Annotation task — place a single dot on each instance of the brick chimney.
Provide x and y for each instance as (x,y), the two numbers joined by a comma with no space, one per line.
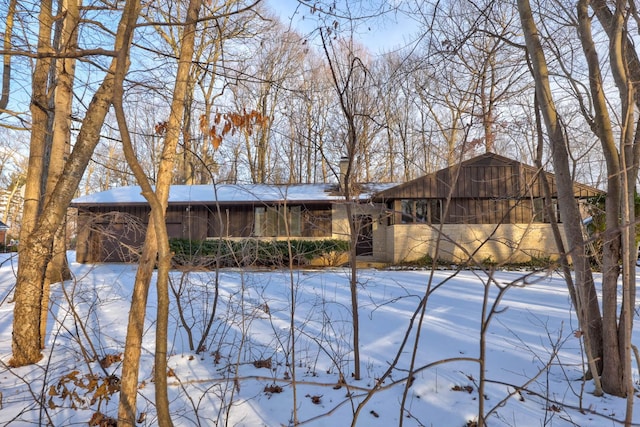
(343,165)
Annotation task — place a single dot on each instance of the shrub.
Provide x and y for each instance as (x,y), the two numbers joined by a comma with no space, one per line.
(251,252)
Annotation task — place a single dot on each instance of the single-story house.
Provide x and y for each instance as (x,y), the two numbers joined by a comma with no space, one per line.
(489,208)
(112,223)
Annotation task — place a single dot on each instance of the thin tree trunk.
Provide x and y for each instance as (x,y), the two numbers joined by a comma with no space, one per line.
(9,207)
(156,242)
(6,60)
(135,328)
(61,140)
(620,68)
(625,66)
(188,157)
(353,288)
(588,309)
(611,366)
(347,108)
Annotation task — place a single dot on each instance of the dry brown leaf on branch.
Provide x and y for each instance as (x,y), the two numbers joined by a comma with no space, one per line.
(161,128)
(315,399)
(232,122)
(110,359)
(226,128)
(262,363)
(216,140)
(204,123)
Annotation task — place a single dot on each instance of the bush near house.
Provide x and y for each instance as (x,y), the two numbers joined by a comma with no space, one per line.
(253,252)
(596,225)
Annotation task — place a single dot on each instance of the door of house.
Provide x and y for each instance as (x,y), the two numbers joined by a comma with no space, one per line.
(364,243)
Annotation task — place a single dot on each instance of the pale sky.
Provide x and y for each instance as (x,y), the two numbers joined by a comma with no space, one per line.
(382,34)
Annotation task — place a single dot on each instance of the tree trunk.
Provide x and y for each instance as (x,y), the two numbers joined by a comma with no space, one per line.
(6,60)
(58,267)
(625,70)
(353,288)
(587,308)
(36,246)
(156,244)
(611,368)
(61,141)
(344,90)
(135,329)
(26,335)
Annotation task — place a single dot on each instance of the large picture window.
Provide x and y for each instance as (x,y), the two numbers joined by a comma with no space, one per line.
(427,211)
(274,221)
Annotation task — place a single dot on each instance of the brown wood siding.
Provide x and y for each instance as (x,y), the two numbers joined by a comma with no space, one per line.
(316,222)
(489,189)
(111,236)
(489,211)
(481,182)
(230,221)
(487,176)
(198,221)
(118,242)
(187,222)
(116,233)
(482,211)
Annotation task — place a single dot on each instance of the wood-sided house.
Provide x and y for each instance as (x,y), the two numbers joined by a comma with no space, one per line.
(112,223)
(489,208)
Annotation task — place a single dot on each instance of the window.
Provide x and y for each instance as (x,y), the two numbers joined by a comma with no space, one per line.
(316,222)
(295,221)
(435,211)
(273,221)
(408,207)
(259,222)
(421,211)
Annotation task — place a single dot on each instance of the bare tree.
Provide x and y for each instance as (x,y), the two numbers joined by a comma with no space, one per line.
(6,60)
(36,245)
(398,104)
(622,167)
(157,241)
(267,76)
(156,247)
(64,75)
(608,335)
(586,300)
(349,75)
(307,122)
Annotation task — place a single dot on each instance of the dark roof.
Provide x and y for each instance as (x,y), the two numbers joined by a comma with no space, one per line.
(3,226)
(487,176)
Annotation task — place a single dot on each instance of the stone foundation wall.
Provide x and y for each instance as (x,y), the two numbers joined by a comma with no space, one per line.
(459,243)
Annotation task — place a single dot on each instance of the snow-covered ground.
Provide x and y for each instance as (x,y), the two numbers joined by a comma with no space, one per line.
(243,376)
